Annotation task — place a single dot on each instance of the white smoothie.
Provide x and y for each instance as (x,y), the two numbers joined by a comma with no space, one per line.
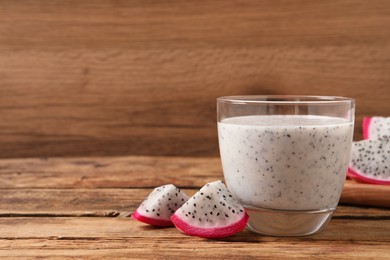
(285,162)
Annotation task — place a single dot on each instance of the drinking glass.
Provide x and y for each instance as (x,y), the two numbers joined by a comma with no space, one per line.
(285,158)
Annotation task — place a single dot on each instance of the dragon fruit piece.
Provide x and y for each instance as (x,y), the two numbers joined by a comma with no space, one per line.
(376,127)
(160,205)
(212,212)
(370,161)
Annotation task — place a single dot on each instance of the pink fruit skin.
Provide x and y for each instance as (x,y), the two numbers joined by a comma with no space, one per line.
(151,221)
(217,232)
(366,127)
(353,174)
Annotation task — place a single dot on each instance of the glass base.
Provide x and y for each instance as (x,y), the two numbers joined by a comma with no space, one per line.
(287,222)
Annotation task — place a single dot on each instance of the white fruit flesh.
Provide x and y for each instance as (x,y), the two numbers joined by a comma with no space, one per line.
(211,213)
(160,205)
(370,161)
(376,128)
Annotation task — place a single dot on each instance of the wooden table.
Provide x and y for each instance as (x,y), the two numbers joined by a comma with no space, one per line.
(80,207)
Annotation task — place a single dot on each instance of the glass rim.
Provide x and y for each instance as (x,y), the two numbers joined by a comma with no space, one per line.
(284,99)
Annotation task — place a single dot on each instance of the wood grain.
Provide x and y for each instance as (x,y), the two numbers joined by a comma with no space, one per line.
(166,248)
(108,172)
(366,194)
(46,213)
(36,237)
(94,78)
(128,228)
(113,203)
(141,172)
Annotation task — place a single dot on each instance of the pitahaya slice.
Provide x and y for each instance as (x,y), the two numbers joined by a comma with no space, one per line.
(160,205)
(376,127)
(212,212)
(370,161)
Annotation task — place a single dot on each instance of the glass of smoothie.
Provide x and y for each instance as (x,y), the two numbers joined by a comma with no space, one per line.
(285,158)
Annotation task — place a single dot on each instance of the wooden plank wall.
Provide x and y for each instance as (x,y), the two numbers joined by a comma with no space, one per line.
(141,77)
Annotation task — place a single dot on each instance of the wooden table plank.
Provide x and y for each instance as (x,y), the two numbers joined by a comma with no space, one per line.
(99,227)
(141,172)
(108,172)
(79,207)
(111,203)
(121,238)
(167,248)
